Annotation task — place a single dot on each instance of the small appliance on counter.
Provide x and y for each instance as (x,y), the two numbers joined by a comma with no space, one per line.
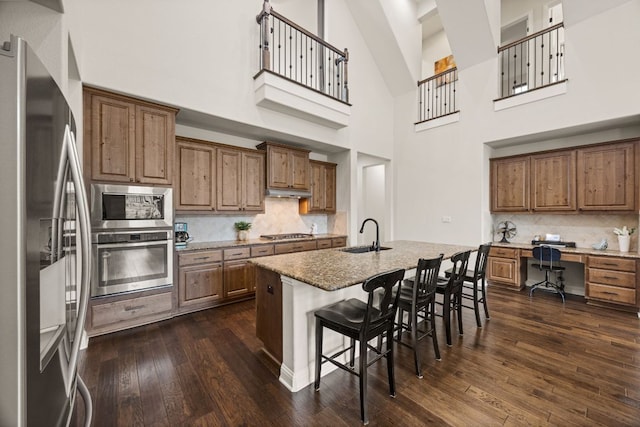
(181,236)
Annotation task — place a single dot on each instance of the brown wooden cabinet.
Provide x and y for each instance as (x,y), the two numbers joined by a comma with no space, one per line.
(510,184)
(553,181)
(130,140)
(239,273)
(606,177)
(612,280)
(287,167)
(195,187)
(199,279)
(323,189)
(269,311)
(505,268)
(240,180)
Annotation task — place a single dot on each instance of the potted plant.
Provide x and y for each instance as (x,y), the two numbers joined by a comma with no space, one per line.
(624,237)
(242,227)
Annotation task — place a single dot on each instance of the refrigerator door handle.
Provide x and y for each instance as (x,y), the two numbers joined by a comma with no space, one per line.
(84,227)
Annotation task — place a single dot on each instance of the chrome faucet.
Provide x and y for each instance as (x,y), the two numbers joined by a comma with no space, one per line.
(375,245)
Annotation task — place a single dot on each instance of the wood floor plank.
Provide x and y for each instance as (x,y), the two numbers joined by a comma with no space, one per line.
(535,362)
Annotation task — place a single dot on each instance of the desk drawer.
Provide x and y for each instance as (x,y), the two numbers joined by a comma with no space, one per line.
(199,257)
(614,278)
(503,252)
(612,293)
(610,263)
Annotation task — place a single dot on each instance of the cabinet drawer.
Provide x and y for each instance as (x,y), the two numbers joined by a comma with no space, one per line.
(610,277)
(237,253)
(338,242)
(199,257)
(129,310)
(324,243)
(262,250)
(612,293)
(503,252)
(286,248)
(609,263)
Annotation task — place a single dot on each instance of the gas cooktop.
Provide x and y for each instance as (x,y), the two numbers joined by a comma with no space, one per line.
(286,236)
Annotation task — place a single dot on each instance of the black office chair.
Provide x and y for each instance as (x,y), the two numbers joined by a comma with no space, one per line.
(418,298)
(549,262)
(474,287)
(451,289)
(363,322)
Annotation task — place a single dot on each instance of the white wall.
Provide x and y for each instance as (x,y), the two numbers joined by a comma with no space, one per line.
(434,48)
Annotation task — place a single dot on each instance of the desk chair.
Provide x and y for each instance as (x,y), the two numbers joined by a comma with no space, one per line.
(362,322)
(418,298)
(549,261)
(451,289)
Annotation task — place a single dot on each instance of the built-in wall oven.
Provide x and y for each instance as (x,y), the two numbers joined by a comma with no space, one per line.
(131,260)
(132,239)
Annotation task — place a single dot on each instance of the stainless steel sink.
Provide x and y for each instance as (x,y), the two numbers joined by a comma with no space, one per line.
(362,249)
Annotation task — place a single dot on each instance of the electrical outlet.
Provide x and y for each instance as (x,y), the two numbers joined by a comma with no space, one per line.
(446,219)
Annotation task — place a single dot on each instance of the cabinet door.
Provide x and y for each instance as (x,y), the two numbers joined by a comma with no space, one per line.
(112,139)
(155,139)
(200,284)
(279,172)
(269,311)
(330,188)
(229,184)
(553,181)
(300,170)
(503,270)
(510,185)
(239,278)
(317,202)
(195,189)
(253,181)
(606,178)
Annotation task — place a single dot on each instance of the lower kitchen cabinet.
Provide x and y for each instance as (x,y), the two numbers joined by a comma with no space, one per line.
(200,282)
(504,267)
(239,278)
(114,313)
(269,311)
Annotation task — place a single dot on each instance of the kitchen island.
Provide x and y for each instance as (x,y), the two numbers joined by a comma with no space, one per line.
(289,288)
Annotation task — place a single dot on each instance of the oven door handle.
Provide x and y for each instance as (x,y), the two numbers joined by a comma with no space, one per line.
(132,244)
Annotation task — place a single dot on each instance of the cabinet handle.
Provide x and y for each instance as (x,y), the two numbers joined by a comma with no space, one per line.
(133,307)
(237,253)
(130,179)
(609,293)
(609,277)
(609,263)
(201,258)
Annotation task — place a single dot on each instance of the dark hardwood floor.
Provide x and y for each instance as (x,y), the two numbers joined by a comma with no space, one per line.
(536,362)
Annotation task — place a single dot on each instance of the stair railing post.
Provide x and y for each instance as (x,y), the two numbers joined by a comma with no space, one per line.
(263,20)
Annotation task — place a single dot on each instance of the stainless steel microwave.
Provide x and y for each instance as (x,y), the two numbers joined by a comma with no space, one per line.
(127,206)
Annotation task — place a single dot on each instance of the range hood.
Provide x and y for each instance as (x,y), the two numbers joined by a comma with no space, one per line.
(290,193)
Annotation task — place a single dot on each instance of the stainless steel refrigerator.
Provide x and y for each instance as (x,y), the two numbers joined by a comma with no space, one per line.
(45,257)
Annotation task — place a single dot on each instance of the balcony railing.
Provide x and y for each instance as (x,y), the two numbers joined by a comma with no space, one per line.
(533,62)
(296,54)
(437,96)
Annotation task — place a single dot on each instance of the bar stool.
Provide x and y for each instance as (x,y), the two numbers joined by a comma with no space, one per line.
(362,322)
(418,298)
(470,289)
(451,289)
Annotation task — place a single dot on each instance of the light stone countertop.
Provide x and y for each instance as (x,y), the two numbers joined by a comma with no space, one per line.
(333,269)
(197,246)
(581,251)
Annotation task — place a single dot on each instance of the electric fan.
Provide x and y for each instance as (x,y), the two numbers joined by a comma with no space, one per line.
(507,229)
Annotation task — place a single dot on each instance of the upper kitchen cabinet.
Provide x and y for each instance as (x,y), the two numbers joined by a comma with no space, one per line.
(130,140)
(553,181)
(510,184)
(287,167)
(195,186)
(606,177)
(240,180)
(323,189)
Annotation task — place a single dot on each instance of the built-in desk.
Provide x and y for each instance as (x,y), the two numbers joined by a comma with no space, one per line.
(611,277)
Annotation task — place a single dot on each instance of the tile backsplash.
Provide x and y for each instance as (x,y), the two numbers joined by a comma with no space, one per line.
(281,216)
(584,229)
